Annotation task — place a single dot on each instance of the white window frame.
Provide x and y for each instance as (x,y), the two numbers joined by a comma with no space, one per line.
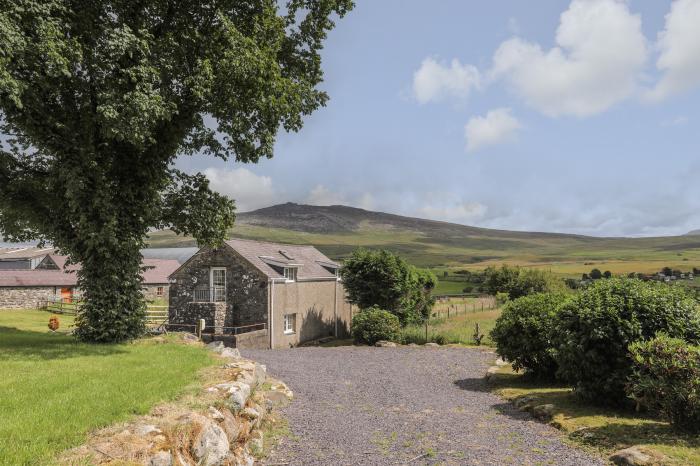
(212,297)
(290,274)
(290,323)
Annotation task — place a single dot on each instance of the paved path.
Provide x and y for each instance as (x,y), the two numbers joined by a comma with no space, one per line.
(377,406)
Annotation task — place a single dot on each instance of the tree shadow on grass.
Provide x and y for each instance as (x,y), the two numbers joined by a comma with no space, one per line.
(25,345)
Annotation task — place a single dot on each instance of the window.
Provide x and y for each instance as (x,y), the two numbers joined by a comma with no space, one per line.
(217,285)
(290,273)
(160,291)
(290,323)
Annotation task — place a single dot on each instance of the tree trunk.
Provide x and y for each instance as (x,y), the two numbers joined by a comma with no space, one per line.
(114,308)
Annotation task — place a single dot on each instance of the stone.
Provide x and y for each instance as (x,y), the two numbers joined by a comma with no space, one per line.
(431,345)
(256,441)
(412,345)
(543,412)
(146,429)
(631,456)
(385,344)
(232,353)
(490,372)
(524,401)
(500,362)
(240,392)
(216,346)
(215,414)
(231,426)
(211,447)
(251,413)
(162,458)
(189,337)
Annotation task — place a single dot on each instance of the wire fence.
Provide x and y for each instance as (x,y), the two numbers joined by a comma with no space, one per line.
(447,307)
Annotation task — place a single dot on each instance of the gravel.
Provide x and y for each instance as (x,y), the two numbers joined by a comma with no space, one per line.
(376,406)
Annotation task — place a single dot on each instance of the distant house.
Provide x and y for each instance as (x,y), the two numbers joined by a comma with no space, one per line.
(27,258)
(52,280)
(269,295)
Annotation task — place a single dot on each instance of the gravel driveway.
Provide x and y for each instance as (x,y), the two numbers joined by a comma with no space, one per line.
(376,406)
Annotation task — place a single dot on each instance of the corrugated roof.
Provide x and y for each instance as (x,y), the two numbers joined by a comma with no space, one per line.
(157,273)
(307,259)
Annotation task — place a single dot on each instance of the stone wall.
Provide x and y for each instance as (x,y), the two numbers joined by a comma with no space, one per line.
(214,315)
(246,287)
(257,339)
(150,292)
(25,297)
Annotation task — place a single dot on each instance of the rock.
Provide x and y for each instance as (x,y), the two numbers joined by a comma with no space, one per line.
(631,456)
(215,414)
(385,344)
(431,345)
(189,337)
(524,401)
(543,412)
(412,344)
(162,458)
(251,413)
(146,429)
(500,362)
(490,372)
(216,346)
(232,353)
(231,426)
(211,446)
(240,392)
(256,442)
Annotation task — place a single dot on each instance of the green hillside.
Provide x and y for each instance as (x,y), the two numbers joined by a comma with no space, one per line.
(337,230)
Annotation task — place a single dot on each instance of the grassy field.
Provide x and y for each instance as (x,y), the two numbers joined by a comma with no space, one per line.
(53,390)
(457,329)
(602,429)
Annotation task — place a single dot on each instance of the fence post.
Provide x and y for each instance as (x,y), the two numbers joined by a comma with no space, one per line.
(426,330)
(482,306)
(200,327)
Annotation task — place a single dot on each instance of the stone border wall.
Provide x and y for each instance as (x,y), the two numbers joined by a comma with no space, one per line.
(257,339)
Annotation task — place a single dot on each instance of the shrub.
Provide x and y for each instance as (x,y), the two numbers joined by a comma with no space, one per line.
(524,331)
(374,324)
(596,327)
(517,282)
(666,379)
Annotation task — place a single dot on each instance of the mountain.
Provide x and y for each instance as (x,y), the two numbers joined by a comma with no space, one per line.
(338,230)
(693,233)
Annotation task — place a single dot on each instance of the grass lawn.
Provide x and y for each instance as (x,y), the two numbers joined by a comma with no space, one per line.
(602,429)
(458,329)
(54,390)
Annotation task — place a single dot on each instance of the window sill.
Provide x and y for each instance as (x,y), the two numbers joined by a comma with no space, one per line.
(289,332)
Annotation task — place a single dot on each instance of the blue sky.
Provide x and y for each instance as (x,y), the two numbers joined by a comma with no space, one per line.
(576,117)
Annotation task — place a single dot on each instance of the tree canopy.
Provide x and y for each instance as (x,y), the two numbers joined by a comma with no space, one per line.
(97,99)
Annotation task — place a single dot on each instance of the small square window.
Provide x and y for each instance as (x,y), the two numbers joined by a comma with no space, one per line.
(290,323)
(160,291)
(290,273)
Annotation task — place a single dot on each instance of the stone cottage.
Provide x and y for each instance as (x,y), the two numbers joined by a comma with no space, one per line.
(269,295)
(52,280)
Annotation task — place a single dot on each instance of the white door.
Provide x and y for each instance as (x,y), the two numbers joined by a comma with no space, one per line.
(218,284)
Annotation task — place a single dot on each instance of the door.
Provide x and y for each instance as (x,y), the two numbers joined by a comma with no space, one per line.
(218,284)
(67,295)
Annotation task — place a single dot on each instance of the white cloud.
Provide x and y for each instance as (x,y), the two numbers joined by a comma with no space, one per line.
(679,45)
(677,121)
(435,81)
(323,196)
(248,189)
(463,212)
(597,62)
(496,127)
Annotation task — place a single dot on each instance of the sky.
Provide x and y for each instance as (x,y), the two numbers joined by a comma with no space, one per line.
(579,117)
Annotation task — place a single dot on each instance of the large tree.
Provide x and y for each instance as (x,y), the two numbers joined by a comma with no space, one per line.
(98,98)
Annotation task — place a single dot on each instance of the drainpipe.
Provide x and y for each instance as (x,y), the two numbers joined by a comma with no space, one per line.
(335,306)
(270,327)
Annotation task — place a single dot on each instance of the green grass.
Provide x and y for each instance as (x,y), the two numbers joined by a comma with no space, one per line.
(602,429)
(54,390)
(454,330)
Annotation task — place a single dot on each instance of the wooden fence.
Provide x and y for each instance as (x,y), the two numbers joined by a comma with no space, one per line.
(155,315)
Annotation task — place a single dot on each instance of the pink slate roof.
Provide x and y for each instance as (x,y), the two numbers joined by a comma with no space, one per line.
(156,274)
(307,259)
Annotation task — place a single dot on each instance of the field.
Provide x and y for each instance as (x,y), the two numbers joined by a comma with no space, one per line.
(55,390)
(602,429)
(338,230)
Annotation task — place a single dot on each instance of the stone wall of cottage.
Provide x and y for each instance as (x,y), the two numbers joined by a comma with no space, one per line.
(150,292)
(246,288)
(25,297)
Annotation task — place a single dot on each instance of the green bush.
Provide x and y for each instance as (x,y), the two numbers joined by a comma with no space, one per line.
(666,379)
(374,324)
(524,331)
(596,327)
(517,282)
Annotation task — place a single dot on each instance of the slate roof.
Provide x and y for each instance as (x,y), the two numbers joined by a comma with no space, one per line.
(24,253)
(157,273)
(271,258)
